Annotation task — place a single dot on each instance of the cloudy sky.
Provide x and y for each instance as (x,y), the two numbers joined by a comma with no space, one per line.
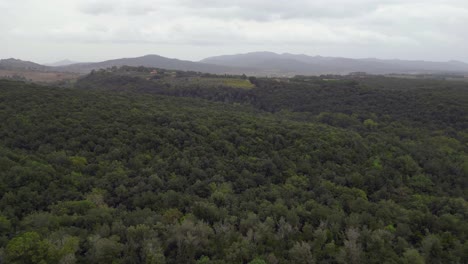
(93,30)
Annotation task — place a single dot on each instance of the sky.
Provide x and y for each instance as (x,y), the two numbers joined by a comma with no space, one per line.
(46,31)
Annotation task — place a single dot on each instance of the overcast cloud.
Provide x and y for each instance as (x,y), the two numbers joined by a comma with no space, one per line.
(85,30)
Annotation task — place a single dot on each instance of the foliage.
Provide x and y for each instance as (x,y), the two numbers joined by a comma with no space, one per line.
(291,171)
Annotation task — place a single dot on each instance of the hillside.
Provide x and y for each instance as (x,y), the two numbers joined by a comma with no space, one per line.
(435,104)
(138,165)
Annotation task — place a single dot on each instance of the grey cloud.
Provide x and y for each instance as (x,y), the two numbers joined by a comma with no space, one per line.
(97,8)
(267,10)
(140,10)
(379,28)
(118,7)
(283,9)
(260,10)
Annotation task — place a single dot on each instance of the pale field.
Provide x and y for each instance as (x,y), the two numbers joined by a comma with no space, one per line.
(36,76)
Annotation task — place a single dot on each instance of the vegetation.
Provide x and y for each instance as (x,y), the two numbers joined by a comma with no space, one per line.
(171,167)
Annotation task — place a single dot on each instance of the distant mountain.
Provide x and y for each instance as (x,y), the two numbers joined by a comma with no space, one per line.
(62,63)
(15,64)
(255,63)
(291,64)
(155,61)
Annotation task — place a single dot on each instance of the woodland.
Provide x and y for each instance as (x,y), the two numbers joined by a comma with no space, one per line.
(140,165)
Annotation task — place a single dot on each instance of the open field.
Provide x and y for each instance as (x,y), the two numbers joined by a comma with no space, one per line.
(37,76)
(228,82)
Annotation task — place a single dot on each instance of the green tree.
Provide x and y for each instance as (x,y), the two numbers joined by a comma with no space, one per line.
(301,253)
(258,261)
(412,256)
(28,248)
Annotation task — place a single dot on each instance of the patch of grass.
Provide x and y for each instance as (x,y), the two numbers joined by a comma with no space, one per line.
(238,83)
(215,82)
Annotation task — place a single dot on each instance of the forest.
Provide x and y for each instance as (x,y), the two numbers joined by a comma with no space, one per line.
(140,165)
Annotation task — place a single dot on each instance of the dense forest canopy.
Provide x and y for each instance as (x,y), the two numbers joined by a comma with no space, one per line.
(138,165)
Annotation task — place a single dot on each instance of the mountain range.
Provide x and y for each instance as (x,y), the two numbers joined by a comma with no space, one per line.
(256,63)
(155,61)
(292,64)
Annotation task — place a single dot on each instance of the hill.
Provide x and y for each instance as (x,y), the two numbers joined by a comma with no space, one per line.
(384,96)
(15,64)
(29,71)
(292,64)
